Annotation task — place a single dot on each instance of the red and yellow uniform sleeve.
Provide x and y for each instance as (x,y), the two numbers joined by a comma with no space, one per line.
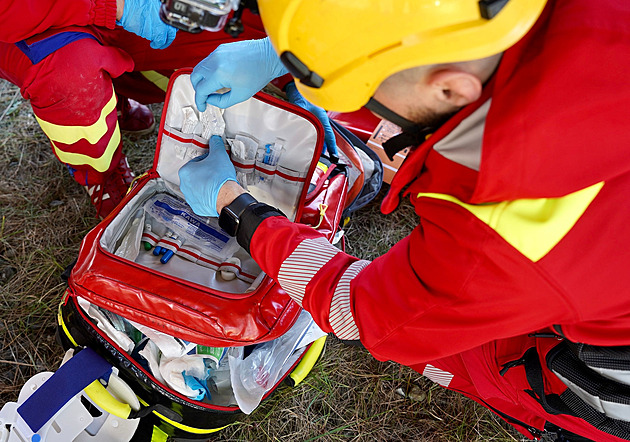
(304,262)
(451,285)
(22,19)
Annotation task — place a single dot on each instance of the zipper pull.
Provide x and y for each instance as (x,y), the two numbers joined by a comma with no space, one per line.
(545,335)
(511,364)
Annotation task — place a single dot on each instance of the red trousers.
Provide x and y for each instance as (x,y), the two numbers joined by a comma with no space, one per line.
(73,89)
(477,374)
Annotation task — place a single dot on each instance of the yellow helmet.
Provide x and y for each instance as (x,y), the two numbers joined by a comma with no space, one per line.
(341,50)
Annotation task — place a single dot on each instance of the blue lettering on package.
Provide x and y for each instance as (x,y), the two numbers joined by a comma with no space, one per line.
(192,220)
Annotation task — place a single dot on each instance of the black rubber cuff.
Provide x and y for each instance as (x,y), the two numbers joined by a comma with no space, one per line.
(251,219)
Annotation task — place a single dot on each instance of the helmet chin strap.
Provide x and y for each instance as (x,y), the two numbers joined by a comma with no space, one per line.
(411,136)
(385,112)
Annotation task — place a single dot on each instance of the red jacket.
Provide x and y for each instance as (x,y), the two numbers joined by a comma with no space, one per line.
(22,19)
(557,124)
(536,237)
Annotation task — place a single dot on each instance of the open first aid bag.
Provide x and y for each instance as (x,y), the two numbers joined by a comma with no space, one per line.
(172,301)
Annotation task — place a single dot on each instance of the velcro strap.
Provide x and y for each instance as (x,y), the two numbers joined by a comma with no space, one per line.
(251,219)
(77,373)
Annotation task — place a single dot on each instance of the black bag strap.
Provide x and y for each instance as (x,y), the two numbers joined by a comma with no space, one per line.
(372,185)
(567,403)
(607,358)
(551,403)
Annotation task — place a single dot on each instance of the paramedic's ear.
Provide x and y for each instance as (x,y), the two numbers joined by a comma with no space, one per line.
(454,87)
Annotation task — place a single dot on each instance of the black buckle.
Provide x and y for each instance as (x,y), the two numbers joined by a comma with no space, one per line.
(490,8)
(300,71)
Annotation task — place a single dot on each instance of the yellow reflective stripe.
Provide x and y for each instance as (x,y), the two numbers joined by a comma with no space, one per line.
(322,166)
(100,164)
(157,79)
(531,226)
(92,133)
(191,430)
(61,322)
(187,428)
(158,435)
(71,134)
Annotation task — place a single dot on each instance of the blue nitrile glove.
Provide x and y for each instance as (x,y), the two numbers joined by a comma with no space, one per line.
(296,98)
(201,178)
(142,17)
(196,386)
(243,66)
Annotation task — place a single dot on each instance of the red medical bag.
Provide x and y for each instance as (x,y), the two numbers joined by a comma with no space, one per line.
(199,296)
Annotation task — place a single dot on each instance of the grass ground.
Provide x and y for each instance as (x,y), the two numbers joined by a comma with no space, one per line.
(349,396)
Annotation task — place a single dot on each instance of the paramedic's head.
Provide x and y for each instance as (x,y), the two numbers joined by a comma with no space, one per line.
(419,59)
(426,95)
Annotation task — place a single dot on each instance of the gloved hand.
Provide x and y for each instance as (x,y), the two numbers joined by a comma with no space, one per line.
(201,178)
(244,66)
(142,17)
(296,98)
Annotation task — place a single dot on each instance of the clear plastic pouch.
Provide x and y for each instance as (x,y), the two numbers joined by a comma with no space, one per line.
(256,374)
(186,227)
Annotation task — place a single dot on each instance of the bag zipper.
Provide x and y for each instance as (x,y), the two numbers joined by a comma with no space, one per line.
(511,364)
(521,361)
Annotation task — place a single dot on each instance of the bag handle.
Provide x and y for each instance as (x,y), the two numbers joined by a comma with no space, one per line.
(320,182)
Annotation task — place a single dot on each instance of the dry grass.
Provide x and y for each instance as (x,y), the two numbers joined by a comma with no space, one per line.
(349,396)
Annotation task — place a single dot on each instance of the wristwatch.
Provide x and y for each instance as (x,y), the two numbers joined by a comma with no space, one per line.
(230,216)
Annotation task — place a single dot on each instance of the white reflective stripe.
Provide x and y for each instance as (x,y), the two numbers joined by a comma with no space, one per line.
(301,266)
(622,376)
(615,410)
(438,376)
(340,317)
